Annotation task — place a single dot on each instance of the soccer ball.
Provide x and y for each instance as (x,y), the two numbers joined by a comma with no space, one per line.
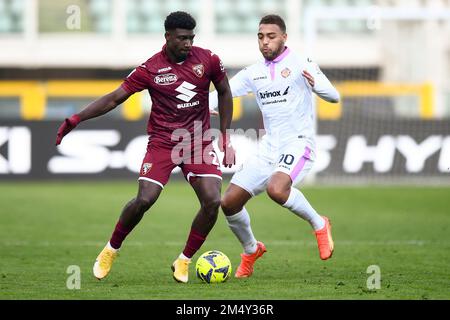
(213,267)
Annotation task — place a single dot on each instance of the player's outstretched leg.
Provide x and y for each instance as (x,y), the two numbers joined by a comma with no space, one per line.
(208,193)
(238,220)
(132,213)
(298,204)
(281,191)
(325,241)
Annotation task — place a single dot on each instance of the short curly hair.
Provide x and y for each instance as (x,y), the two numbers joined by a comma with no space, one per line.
(274,19)
(179,20)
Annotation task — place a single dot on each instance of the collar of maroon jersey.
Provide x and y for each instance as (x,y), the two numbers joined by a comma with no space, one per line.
(164,54)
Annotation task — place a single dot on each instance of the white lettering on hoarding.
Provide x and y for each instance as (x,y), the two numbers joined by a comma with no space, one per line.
(18,159)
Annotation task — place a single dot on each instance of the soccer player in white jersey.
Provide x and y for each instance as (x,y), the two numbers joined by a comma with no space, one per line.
(283,84)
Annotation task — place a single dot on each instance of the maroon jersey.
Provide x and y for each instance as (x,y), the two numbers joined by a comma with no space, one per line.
(179,91)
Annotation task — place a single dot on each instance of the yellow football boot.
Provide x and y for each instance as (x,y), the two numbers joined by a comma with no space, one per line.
(104,262)
(180,269)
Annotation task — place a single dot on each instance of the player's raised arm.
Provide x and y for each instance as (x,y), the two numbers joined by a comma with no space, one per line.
(136,81)
(96,108)
(320,83)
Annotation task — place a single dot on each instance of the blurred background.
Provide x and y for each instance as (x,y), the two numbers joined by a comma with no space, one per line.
(389,59)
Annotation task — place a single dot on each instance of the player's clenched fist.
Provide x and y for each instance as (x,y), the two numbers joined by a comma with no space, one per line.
(68,125)
(229,157)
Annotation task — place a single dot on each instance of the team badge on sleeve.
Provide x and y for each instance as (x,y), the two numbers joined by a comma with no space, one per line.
(198,69)
(146,168)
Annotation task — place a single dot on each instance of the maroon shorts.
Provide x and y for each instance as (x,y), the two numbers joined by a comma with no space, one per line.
(159,161)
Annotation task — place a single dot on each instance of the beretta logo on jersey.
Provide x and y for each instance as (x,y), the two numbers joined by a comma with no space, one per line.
(166,79)
(198,69)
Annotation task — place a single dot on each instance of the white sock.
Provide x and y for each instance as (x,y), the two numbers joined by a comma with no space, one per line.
(111,248)
(239,223)
(298,204)
(182,256)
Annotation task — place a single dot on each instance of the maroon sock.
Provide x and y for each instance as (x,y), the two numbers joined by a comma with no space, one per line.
(194,242)
(119,234)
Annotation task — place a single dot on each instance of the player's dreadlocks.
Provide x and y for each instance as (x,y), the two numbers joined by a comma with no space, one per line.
(274,19)
(179,20)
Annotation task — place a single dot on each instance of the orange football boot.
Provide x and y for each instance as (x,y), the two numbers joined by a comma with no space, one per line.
(245,269)
(325,241)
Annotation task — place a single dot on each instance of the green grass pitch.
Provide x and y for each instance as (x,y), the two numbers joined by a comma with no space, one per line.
(47,227)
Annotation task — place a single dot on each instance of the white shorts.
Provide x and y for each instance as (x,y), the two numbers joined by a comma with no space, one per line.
(294,158)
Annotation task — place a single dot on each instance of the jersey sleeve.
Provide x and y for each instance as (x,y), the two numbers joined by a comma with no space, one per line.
(239,86)
(136,81)
(218,71)
(322,86)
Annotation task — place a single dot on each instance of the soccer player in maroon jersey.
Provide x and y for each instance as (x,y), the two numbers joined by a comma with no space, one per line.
(178,79)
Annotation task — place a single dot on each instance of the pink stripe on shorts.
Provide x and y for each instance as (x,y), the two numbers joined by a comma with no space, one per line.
(299,166)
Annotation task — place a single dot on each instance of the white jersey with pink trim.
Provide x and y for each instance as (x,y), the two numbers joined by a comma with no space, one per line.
(283,95)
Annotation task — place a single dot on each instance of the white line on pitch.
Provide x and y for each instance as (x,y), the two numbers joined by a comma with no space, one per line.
(215,242)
